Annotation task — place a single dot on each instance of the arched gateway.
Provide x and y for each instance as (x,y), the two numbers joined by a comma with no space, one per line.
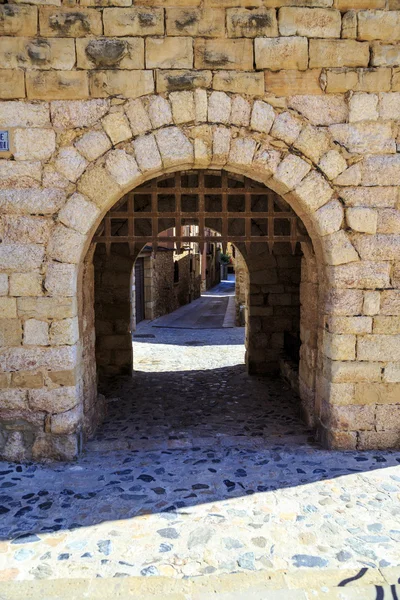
(345,366)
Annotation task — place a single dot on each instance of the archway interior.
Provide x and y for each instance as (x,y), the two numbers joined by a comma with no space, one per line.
(255,219)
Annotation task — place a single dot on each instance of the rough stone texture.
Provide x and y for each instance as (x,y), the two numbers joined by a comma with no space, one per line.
(302,97)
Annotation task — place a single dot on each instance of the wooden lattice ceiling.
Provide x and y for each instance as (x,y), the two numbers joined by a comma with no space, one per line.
(239,209)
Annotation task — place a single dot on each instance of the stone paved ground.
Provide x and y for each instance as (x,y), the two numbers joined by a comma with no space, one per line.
(199,471)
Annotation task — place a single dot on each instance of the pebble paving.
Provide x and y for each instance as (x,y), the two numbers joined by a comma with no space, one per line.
(198,471)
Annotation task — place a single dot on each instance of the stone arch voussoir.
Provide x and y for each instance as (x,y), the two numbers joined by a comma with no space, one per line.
(153,135)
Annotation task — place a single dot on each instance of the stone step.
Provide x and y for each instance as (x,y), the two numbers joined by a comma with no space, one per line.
(302,584)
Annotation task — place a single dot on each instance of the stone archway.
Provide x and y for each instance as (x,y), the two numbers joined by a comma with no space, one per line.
(155,135)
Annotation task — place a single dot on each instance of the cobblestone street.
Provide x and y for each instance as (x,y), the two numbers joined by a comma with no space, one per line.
(199,469)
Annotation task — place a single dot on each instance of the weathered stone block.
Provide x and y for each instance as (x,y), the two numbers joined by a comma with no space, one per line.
(372,303)
(224,54)
(392,373)
(61,279)
(281,53)
(34,144)
(351,176)
(123,168)
(380,197)
(58,447)
(31,359)
(13,399)
(362,219)
(26,229)
(349,25)
(37,54)
(378,247)
(93,144)
(67,422)
(239,82)
(130,84)
(76,114)
(390,302)
(79,214)
(135,20)
(116,126)
(65,332)
(321,110)
(12,84)
(57,85)
(262,117)
(352,418)
(169,53)
(221,143)
(66,245)
(343,302)
(312,193)
(242,151)
(389,106)
(365,137)
(289,173)
(175,148)
(266,161)
(339,347)
(381,170)
(363,107)
(70,163)
(26,284)
(379,25)
(385,394)
(195,22)
(251,23)
(138,117)
(313,142)
(338,249)
(361,274)
(352,371)
(293,81)
(310,22)
(385,55)
(36,333)
(20,174)
(21,257)
(183,107)
(24,114)
(18,20)
(56,400)
(10,332)
(179,80)
(147,154)
(286,127)
(388,221)
(349,325)
(99,186)
(387,324)
(338,53)
(110,53)
(3,284)
(332,164)
(159,110)
(27,379)
(378,440)
(329,217)
(31,201)
(379,348)
(69,22)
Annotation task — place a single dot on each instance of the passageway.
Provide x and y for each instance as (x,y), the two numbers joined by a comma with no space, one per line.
(190,387)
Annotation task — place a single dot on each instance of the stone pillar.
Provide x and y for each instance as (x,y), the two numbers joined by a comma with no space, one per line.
(309,318)
(273,305)
(113,292)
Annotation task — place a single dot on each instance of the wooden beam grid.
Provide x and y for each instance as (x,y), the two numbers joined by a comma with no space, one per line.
(246,219)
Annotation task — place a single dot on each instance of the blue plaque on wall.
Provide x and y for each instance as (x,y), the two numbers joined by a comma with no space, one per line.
(4,141)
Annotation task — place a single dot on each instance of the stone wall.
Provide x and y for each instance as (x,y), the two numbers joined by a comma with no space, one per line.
(98,98)
(162,295)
